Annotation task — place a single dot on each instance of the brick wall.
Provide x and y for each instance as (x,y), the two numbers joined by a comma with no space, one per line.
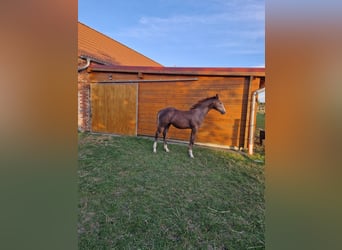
(84,113)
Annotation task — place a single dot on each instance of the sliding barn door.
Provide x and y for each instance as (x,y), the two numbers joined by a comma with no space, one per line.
(114,108)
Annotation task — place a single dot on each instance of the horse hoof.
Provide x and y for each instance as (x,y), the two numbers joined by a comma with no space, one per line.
(190,154)
(166,149)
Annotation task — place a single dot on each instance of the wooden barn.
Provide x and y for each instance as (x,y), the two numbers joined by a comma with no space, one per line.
(124,98)
(95,48)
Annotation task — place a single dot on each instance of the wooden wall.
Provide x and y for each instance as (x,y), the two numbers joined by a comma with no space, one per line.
(228,129)
(159,89)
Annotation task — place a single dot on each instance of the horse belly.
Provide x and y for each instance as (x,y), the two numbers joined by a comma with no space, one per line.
(180,122)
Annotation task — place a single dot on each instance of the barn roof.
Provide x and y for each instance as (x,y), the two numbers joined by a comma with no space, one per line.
(102,48)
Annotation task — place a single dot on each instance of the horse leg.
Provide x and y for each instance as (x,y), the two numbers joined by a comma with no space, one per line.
(166,129)
(156,139)
(192,140)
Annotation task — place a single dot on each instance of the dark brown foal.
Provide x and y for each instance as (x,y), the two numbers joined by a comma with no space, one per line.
(190,119)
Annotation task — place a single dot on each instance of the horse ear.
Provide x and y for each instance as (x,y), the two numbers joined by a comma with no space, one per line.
(217,96)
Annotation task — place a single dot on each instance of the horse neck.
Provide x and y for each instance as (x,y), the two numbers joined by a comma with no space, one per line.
(204,109)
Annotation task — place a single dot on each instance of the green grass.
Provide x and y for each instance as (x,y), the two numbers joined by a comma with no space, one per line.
(131,198)
(260,120)
(260,125)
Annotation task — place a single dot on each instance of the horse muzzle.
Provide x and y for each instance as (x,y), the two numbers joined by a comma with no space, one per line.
(222,111)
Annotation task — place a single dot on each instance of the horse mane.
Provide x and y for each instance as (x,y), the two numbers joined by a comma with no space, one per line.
(200,102)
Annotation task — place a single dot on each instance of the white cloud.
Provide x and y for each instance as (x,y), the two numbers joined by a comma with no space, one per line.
(220,15)
(232,27)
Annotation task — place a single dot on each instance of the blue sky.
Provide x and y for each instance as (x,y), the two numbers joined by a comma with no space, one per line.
(184,33)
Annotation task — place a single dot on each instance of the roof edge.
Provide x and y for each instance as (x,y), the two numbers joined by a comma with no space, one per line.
(238,71)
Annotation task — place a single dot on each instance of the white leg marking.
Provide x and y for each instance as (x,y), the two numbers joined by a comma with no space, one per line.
(166,148)
(155,147)
(190,153)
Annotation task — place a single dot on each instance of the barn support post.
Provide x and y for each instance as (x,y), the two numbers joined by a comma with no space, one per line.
(247,92)
(251,121)
(137,109)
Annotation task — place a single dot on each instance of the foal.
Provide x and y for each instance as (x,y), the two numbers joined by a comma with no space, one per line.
(191,119)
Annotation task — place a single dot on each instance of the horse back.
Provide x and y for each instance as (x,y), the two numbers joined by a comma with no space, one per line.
(166,114)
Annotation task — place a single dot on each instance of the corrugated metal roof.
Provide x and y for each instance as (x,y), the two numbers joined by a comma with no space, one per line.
(97,45)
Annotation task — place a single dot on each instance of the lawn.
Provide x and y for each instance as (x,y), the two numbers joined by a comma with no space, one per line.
(131,198)
(260,120)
